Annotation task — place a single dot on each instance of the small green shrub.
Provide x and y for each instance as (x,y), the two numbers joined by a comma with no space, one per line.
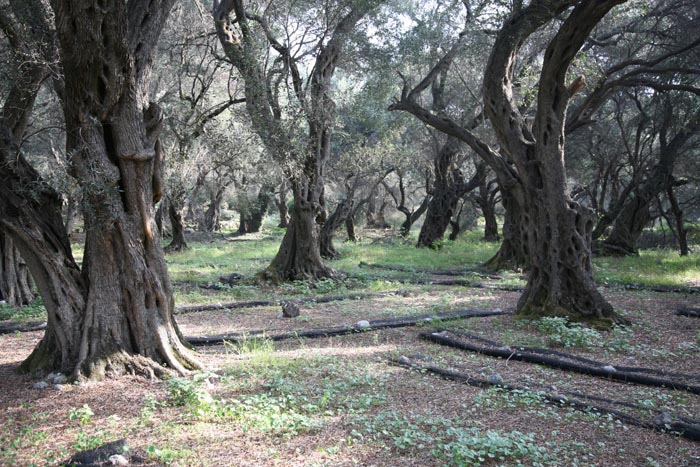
(561,332)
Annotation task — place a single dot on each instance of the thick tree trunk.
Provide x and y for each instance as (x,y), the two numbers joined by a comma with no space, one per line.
(212,216)
(350,227)
(512,253)
(339,216)
(486,201)
(115,316)
(253,214)
(299,255)
(15,282)
(177,224)
(446,192)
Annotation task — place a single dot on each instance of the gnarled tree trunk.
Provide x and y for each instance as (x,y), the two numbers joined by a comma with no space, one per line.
(15,282)
(340,216)
(177,224)
(116,314)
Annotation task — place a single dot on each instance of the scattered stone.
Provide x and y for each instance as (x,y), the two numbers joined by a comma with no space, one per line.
(58,387)
(118,459)
(664,418)
(505,348)
(440,334)
(686,346)
(428,319)
(495,379)
(290,310)
(99,455)
(609,368)
(40,385)
(59,379)
(231,279)
(404,360)
(561,397)
(51,376)
(498,310)
(362,324)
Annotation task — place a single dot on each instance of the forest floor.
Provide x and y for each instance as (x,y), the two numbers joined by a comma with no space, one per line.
(343,400)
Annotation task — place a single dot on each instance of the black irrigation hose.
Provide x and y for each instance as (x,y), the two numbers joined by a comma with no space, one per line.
(439,272)
(600,371)
(279,301)
(686,430)
(339,331)
(588,361)
(689,312)
(10,328)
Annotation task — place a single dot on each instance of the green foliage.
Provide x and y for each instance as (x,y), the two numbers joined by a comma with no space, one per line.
(561,332)
(166,455)
(36,310)
(83,414)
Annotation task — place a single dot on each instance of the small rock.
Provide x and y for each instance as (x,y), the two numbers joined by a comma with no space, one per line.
(440,334)
(118,459)
(664,419)
(685,346)
(290,310)
(51,376)
(609,368)
(40,385)
(498,310)
(59,379)
(404,360)
(561,397)
(505,348)
(58,387)
(428,319)
(362,324)
(495,379)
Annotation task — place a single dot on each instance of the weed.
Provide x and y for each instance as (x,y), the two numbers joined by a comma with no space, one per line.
(562,333)
(83,414)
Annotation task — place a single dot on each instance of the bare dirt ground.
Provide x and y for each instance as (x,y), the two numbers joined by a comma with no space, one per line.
(369,412)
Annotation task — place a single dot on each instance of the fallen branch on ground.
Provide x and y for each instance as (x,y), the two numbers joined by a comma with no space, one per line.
(569,363)
(9,328)
(663,422)
(689,311)
(372,325)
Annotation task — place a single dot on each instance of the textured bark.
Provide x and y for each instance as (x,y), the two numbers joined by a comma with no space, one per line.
(512,254)
(115,315)
(177,224)
(212,216)
(557,230)
(486,200)
(299,256)
(15,282)
(340,216)
(253,214)
(350,227)
(281,202)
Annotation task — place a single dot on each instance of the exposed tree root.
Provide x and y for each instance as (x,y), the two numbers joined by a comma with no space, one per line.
(662,422)
(339,331)
(563,361)
(278,301)
(689,311)
(438,272)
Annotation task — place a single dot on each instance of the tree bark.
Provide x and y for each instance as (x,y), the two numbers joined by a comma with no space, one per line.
(281,202)
(212,216)
(340,216)
(116,314)
(681,231)
(177,224)
(15,282)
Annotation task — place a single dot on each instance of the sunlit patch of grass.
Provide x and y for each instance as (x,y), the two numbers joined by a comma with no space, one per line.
(651,267)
